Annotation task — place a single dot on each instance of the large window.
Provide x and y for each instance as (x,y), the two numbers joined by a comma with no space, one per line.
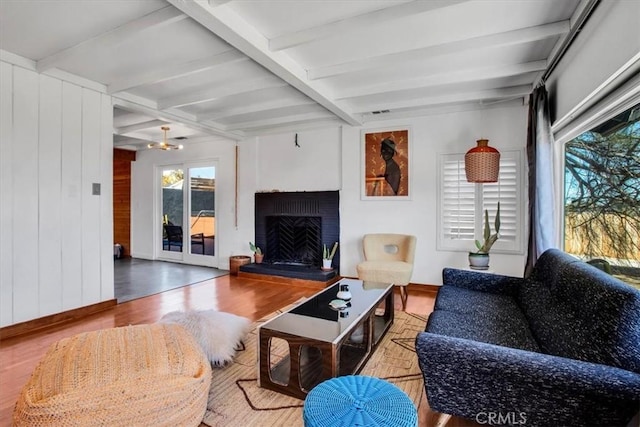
(462,204)
(602,195)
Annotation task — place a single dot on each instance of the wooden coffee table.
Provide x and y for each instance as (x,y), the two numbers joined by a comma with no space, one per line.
(313,342)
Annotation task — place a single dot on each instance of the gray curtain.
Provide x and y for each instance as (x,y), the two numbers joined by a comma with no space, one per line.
(542,225)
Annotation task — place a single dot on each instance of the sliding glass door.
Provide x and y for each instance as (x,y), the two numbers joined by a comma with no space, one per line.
(187,205)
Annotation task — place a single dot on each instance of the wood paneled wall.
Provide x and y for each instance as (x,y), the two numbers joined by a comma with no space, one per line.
(56,247)
(122,198)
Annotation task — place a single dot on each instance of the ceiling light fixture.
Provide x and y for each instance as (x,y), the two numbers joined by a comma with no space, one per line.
(164,145)
(482,163)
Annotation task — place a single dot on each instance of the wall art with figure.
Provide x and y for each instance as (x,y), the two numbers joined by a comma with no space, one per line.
(385,164)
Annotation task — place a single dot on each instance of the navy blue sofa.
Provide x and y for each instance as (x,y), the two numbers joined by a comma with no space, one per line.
(560,348)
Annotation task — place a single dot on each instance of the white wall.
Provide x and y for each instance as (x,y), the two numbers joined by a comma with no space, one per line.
(57,238)
(314,166)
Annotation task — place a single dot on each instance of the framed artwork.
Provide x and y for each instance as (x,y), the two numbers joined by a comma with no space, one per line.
(385,164)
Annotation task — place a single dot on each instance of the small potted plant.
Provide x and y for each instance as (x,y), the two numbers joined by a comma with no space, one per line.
(327,255)
(480,260)
(257,253)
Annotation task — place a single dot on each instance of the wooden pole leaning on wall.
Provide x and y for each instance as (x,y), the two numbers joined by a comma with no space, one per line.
(235,209)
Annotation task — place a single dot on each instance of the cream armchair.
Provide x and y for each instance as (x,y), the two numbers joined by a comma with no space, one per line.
(388,259)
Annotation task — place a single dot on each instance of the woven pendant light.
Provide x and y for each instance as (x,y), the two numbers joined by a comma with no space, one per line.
(482,163)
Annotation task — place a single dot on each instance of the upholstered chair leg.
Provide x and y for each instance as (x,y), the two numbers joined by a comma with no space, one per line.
(403,297)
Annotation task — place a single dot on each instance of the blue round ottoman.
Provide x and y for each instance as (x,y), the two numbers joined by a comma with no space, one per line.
(357,400)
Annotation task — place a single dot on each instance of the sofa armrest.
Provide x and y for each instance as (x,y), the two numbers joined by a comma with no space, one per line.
(465,377)
(484,282)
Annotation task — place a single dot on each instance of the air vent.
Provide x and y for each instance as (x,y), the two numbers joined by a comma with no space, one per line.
(180,138)
(381,112)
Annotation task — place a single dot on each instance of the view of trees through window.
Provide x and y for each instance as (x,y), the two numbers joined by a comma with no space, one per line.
(602,196)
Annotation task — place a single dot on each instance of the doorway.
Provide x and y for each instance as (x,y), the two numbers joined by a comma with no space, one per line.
(187,198)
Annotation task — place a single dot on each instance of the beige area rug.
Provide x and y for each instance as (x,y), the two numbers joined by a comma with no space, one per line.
(236,400)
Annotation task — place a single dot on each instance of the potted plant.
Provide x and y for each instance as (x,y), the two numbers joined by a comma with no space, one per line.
(327,255)
(480,260)
(257,253)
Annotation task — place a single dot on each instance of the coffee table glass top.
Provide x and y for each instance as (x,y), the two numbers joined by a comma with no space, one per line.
(315,319)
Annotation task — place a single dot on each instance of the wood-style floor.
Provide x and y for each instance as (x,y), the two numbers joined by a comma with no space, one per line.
(245,297)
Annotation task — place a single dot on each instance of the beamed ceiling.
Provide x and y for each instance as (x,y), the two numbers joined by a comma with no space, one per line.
(243,68)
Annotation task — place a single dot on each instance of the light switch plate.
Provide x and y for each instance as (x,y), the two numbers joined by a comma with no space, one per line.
(95,189)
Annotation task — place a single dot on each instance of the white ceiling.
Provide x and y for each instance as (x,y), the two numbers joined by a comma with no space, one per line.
(238,68)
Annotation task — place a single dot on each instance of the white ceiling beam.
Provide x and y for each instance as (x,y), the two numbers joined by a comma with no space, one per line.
(443,109)
(134,103)
(139,126)
(216,92)
(278,121)
(254,108)
(276,113)
(466,76)
(226,24)
(509,92)
(121,142)
(508,38)
(214,3)
(164,16)
(339,28)
(174,71)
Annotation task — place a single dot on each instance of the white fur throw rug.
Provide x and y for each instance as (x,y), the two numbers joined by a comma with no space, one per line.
(219,334)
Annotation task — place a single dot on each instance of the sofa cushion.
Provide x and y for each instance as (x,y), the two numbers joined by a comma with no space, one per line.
(607,312)
(480,316)
(555,327)
(578,311)
(464,300)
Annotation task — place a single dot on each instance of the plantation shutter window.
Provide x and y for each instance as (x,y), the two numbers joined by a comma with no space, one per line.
(462,204)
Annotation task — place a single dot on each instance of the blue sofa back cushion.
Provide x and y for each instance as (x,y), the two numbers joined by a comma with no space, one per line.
(480,316)
(582,312)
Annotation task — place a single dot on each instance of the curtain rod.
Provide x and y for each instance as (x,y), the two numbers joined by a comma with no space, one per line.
(581,20)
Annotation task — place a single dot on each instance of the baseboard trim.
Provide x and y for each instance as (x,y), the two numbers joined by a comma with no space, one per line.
(54,319)
(429,289)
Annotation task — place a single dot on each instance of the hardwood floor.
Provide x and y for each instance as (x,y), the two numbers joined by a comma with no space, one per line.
(245,297)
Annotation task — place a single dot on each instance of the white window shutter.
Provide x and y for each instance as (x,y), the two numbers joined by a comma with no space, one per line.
(462,204)
(458,201)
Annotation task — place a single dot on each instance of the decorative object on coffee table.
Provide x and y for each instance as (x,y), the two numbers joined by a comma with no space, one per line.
(344,293)
(356,400)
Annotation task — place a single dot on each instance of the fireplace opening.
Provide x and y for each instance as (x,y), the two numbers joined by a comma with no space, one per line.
(294,240)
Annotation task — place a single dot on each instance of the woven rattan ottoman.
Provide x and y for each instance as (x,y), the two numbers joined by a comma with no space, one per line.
(145,375)
(358,401)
